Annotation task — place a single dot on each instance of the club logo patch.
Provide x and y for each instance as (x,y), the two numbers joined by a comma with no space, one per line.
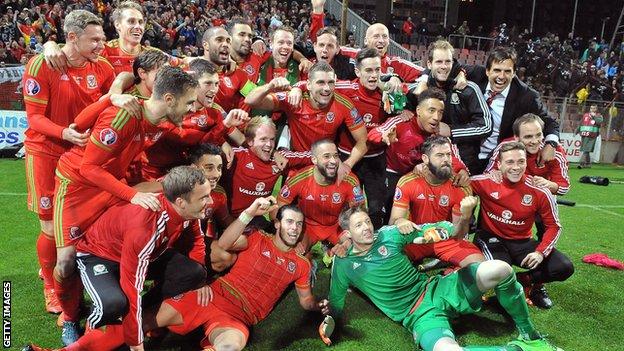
(228,82)
(444,200)
(330,117)
(45,203)
(32,87)
(74,233)
(507,214)
(454,99)
(291,266)
(398,194)
(285,192)
(91,82)
(249,69)
(527,200)
(336,198)
(99,269)
(201,121)
(108,137)
(382,250)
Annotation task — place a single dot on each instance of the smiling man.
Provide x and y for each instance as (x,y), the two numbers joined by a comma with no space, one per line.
(508,99)
(506,216)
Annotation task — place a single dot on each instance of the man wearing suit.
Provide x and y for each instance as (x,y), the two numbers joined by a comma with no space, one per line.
(509,98)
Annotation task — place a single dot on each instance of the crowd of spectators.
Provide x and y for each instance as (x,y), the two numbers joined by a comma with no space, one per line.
(553,65)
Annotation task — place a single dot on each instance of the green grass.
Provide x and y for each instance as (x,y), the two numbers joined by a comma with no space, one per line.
(587,314)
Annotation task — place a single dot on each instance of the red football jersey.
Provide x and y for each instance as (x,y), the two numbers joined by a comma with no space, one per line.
(404,154)
(116,139)
(204,125)
(252,64)
(54,99)
(217,210)
(133,237)
(262,273)
(509,209)
(308,124)
(321,204)
(123,61)
(555,170)
(233,87)
(426,202)
(408,71)
(250,177)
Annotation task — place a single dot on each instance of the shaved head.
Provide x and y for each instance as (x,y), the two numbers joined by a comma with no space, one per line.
(377,37)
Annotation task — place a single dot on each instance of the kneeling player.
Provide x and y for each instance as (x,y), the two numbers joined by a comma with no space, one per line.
(431,197)
(377,266)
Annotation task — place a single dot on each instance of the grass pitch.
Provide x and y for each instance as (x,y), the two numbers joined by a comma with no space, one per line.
(587,314)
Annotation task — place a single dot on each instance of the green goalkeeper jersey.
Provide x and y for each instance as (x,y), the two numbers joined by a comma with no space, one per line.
(384,274)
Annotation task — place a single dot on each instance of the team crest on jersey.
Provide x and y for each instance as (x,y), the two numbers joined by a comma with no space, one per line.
(330,117)
(336,198)
(228,82)
(108,136)
(507,214)
(45,203)
(367,117)
(291,266)
(99,269)
(383,250)
(398,194)
(91,82)
(249,69)
(285,192)
(260,186)
(454,99)
(527,200)
(201,121)
(444,200)
(74,233)
(32,87)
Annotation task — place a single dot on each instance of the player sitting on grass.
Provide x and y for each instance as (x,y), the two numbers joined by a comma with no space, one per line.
(378,267)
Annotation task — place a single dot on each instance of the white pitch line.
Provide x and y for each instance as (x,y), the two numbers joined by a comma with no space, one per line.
(13,194)
(598,208)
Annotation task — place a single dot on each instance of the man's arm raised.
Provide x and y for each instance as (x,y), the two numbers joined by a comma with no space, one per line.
(259,207)
(261,97)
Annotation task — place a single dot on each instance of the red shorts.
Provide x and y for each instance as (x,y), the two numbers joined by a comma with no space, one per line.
(219,313)
(40,184)
(452,250)
(319,233)
(76,207)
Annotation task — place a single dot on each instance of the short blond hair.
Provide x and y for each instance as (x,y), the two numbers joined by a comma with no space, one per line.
(254,124)
(439,45)
(116,15)
(78,20)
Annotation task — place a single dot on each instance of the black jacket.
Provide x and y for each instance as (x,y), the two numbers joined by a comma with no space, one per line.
(521,100)
(468,116)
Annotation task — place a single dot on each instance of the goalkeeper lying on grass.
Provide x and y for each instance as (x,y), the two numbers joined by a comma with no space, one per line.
(377,266)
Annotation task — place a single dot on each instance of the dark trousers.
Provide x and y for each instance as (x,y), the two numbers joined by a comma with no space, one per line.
(555,267)
(174,273)
(371,171)
(392,179)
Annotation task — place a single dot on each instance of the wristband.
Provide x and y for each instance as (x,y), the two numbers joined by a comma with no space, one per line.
(245,218)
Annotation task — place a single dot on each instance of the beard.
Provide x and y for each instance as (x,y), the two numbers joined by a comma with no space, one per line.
(443,172)
(323,171)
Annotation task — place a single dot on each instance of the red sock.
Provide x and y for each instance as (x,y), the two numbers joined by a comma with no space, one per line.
(69,292)
(106,338)
(46,252)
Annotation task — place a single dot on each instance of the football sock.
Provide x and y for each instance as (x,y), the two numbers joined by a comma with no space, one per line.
(511,296)
(46,252)
(69,291)
(109,337)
